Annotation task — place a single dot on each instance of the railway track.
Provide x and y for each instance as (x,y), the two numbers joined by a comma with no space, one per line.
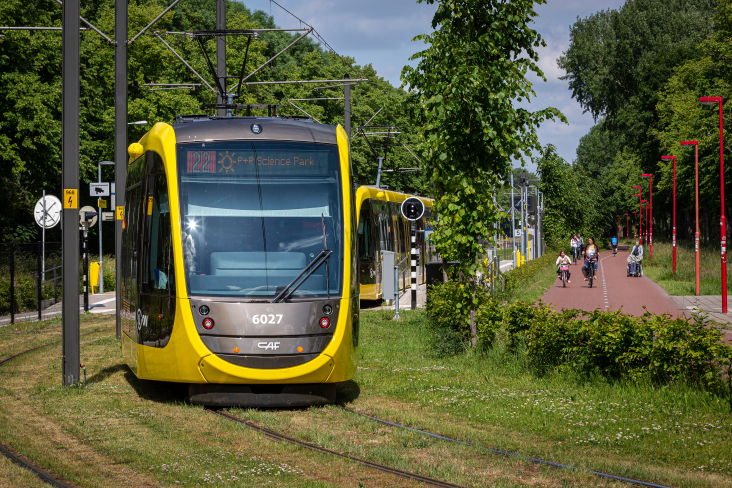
(53,480)
(554,464)
(17,458)
(283,437)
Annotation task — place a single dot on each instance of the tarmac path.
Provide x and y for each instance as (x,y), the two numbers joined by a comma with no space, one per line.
(612,290)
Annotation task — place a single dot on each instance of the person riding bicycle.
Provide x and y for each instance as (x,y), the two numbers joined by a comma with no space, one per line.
(563,260)
(614,243)
(636,255)
(590,252)
(574,243)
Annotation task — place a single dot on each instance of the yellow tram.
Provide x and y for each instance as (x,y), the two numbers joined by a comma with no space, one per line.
(239,260)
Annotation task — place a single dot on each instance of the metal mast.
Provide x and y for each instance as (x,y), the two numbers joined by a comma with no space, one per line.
(70,182)
(120,140)
(221,54)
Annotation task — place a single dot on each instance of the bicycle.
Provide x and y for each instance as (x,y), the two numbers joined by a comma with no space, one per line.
(564,271)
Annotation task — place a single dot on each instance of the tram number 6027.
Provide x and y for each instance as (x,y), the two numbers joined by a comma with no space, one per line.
(267,319)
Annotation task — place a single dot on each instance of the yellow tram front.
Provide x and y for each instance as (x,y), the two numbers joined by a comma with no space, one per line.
(238,251)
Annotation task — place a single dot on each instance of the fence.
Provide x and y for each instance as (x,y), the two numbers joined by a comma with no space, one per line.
(29,278)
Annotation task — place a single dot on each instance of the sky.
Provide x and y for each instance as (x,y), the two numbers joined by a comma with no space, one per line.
(380,32)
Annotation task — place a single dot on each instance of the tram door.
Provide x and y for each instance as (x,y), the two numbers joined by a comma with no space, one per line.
(131,227)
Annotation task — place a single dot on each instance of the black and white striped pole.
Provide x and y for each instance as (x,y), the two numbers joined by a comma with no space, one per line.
(413,210)
(414,258)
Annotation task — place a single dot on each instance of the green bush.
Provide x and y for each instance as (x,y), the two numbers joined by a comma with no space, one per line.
(619,346)
(450,319)
(25,295)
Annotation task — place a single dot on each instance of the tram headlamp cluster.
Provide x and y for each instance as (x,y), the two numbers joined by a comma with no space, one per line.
(324,322)
(327,309)
(204,310)
(208,323)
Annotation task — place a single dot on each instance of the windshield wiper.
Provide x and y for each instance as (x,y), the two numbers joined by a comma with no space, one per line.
(309,269)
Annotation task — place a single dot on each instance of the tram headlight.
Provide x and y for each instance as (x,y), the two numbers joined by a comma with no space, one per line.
(204,310)
(208,323)
(325,322)
(327,309)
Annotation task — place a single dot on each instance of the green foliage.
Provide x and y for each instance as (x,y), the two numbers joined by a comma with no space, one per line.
(25,295)
(617,65)
(462,95)
(520,276)
(618,346)
(450,318)
(571,199)
(30,93)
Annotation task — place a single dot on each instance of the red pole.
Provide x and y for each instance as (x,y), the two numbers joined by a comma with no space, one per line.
(650,225)
(627,229)
(696,205)
(640,212)
(635,221)
(722,220)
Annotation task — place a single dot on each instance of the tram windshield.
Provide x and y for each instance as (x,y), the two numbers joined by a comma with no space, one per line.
(256,213)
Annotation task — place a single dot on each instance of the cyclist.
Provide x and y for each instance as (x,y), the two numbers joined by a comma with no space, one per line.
(590,252)
(563,259)
(636,255)
(574,243)
(614,243)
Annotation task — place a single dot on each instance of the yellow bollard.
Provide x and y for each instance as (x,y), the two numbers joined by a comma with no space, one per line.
(93,276)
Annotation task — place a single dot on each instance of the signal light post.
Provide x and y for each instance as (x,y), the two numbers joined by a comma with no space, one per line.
(722,220)
(696,205)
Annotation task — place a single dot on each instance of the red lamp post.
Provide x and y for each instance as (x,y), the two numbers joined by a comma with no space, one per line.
(618,228)
(696,205)
(722,220)
(650,222)
(635,221)
(673,226)
(627,229)
(640,212)
(646,207)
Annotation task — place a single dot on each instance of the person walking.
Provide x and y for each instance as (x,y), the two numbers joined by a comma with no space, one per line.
(573,242)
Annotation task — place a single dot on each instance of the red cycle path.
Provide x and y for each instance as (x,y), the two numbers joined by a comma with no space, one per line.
(611,290)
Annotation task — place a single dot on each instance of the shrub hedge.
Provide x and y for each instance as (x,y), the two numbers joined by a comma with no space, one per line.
(617,346)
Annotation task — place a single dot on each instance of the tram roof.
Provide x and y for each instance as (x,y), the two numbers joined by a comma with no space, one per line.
(240,128)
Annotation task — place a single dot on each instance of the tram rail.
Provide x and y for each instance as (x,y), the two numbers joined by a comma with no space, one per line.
(283,437)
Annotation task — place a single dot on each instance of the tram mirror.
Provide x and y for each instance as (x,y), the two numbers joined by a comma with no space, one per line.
(135,150)
(412,208)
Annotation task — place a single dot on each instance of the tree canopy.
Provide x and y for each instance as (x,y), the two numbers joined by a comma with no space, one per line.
(30,93)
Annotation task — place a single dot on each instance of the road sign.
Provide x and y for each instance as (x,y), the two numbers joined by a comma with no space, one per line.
(517,233)
(107,216)
(99,189)
(101,203)
(86,212)
(47,211)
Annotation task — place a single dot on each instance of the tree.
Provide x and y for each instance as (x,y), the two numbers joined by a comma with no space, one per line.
(30,93)
(462,95)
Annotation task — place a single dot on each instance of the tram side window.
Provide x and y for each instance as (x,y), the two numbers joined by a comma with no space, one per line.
(160,278)
(364,231)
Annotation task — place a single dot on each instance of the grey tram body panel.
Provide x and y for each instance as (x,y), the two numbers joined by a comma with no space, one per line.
(240,129)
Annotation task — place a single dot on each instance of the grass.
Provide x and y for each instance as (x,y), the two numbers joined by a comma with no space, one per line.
(121,431)
(683,283)
(532,287)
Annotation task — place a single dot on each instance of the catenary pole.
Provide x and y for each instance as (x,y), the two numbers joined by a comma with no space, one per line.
(120,141)
(347,110)
(221,53)
(70,181)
